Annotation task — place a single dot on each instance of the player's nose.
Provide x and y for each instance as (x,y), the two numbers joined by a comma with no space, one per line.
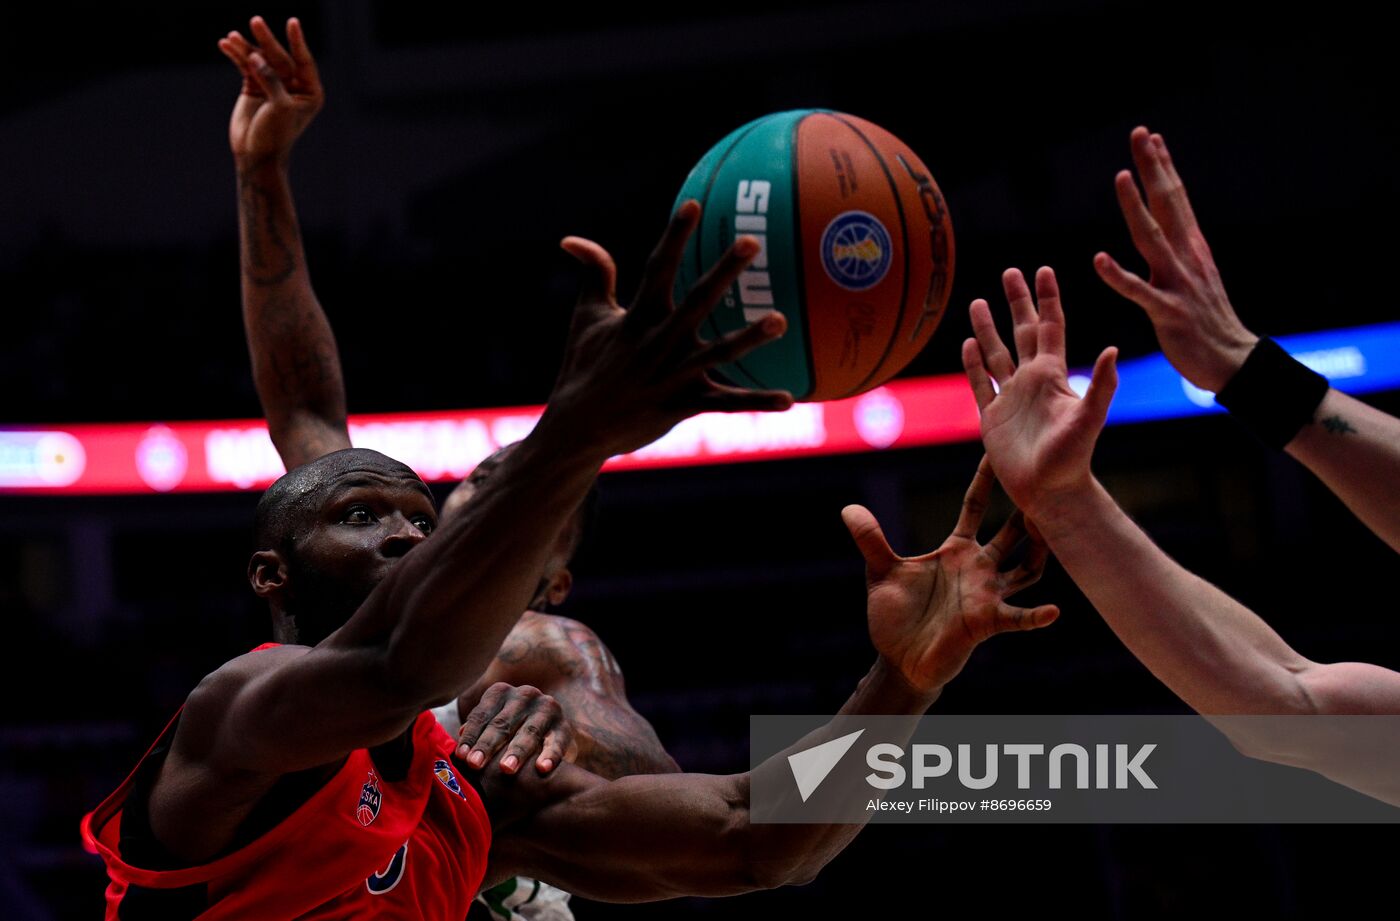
(403,536)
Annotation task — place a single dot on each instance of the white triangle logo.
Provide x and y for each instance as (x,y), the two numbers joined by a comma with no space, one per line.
(810,767)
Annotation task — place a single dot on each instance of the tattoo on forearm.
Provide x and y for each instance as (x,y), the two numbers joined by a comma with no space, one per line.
(1336,425)
(300,352)
(269,257)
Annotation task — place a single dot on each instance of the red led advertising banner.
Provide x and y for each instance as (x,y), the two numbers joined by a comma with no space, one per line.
(212,456)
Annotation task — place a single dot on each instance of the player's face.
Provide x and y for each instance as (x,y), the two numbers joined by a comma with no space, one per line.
(367,522)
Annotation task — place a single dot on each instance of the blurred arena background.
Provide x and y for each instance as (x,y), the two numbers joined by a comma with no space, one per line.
(457,146)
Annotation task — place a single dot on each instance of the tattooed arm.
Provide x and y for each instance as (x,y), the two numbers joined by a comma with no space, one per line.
(1355,450)
(1351,447)
(295,364)
(567,660)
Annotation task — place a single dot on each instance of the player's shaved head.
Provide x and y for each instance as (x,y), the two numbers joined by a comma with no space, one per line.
(287,506)
(314,574)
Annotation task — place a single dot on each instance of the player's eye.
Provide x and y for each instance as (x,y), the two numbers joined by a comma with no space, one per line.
(358,514)
(424,524)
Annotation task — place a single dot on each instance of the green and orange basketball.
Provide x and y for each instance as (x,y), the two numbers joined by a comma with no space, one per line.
(857,249)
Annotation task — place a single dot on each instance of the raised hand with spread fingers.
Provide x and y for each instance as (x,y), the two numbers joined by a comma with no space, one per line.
(928,613)
(1351,446)
(1038,432)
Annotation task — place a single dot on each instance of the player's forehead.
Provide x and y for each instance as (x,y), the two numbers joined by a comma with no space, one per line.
(375,480)
(333,475)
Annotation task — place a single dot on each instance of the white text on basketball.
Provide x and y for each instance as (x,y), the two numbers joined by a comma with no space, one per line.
(751,210)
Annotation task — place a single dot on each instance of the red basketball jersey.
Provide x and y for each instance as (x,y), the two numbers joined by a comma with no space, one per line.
(360,847)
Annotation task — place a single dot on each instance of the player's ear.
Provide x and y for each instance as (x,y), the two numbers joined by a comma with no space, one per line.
(267,573)
(559,587)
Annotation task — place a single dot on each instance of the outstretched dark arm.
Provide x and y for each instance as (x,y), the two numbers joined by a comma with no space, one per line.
(649,837)
(654,837)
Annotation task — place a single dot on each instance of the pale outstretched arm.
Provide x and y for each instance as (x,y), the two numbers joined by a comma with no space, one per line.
(1351,447)
(1216,654)
(1355,450)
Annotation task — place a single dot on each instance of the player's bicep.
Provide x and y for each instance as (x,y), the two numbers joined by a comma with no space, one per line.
(292,707)
(638,839)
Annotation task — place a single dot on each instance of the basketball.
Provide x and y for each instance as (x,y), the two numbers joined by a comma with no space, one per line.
(857,250)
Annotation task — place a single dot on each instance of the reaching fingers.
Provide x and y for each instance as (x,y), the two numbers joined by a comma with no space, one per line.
(560,744)
(272,49)
(236,49)
(994,354)
(653,299)
(1010,617)
(239,45)
(1051,329)
(1102,386)
(721,398)
(226,47)
(301,52)
(1178,200)
(982,390)
(870,540)
(1126,283)
(267,79)
(544,735)
(1155,184)
(974,506)
(1147,234)
(476,720)
(1006,539)
(1165,194)
(599,283)
(701,299)
(1032,565)
(494,723)
(1023,314)
(735,345)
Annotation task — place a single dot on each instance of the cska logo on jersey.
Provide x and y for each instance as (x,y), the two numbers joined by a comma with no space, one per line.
(443,770)
(370,798)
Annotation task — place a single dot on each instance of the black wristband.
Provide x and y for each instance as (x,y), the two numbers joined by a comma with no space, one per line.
(1273,394)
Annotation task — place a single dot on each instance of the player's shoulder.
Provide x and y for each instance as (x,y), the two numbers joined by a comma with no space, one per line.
(240,670)
(555,628)
(208,704)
